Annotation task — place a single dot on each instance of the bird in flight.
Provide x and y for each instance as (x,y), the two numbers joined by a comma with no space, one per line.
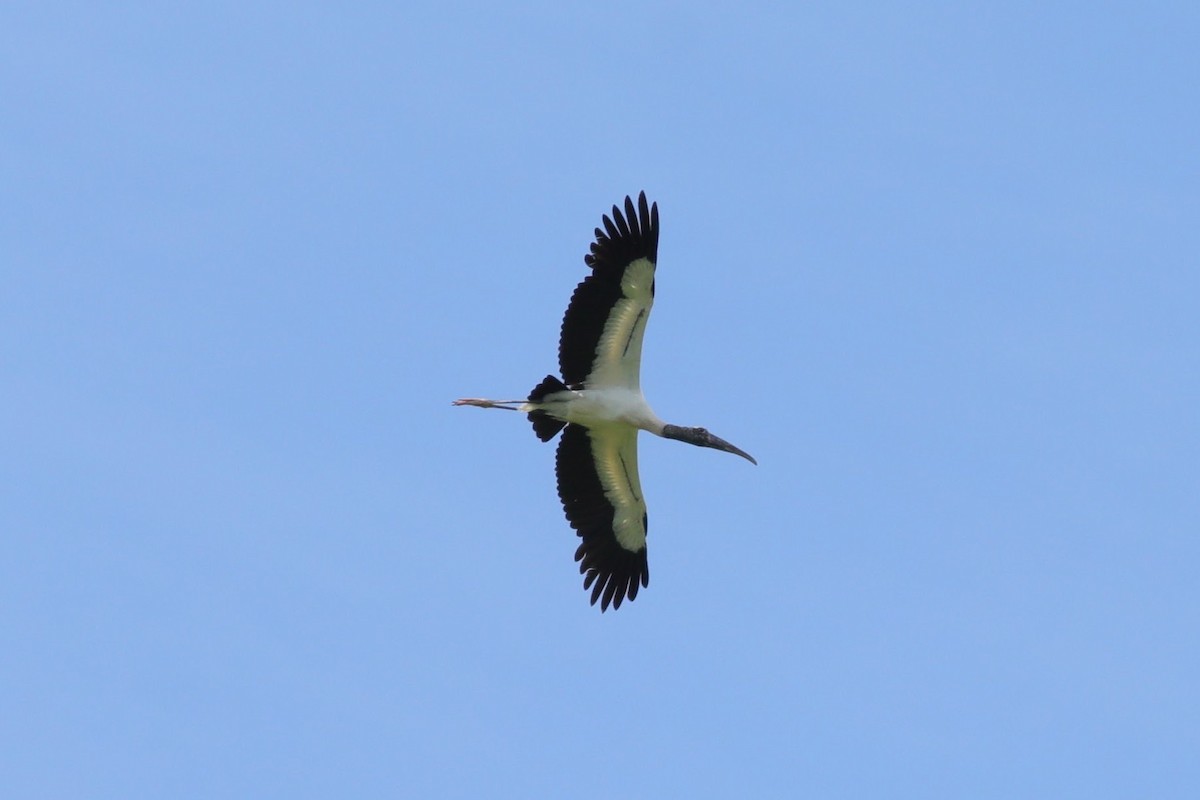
(599,407)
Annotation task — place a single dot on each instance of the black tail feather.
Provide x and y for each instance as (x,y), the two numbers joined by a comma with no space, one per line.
(545,426)
(549,386)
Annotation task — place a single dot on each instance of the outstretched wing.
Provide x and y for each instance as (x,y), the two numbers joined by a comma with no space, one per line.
(601,342)
(602,497)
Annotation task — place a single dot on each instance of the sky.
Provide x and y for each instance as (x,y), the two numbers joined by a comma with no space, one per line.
(935,265)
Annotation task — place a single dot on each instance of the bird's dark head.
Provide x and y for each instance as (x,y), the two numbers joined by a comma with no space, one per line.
(702,438)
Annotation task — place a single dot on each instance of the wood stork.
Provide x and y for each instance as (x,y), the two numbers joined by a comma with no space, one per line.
(599,407)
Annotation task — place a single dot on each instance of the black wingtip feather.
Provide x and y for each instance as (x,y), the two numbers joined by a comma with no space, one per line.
(627,236)
(622,222)
(610,226)
(634,228)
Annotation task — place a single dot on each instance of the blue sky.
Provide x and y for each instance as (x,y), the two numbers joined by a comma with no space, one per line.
(935,265)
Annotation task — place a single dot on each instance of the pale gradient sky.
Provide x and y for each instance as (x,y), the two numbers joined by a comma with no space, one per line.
(936,265)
